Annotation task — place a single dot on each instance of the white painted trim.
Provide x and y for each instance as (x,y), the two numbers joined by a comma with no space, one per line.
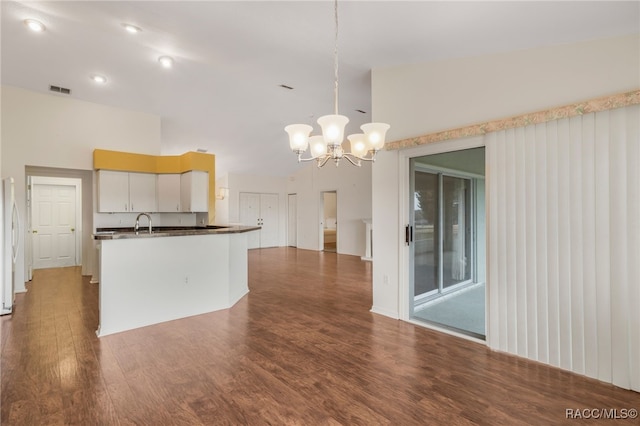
(447,331)
(383,312)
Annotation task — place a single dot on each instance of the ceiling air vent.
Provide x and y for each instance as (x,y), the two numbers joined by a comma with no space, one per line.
(59,89)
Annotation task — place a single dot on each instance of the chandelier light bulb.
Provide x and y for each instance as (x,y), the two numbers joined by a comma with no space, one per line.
(318,146)
(358,145)
(298,136)
(333,128)
(375,134)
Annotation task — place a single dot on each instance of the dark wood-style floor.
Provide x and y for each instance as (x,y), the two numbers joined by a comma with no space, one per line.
(301,348)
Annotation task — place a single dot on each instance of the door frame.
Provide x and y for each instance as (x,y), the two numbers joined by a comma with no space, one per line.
(322,219)
(62,181)
(404,254)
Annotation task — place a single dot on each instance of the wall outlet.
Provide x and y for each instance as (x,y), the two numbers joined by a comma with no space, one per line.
(385,279)
(186,280)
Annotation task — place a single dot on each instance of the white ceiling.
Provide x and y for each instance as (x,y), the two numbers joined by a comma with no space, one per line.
(223,93)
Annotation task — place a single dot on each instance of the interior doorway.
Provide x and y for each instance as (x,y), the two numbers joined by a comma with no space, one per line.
(55,222)
(329,222)
(447,220)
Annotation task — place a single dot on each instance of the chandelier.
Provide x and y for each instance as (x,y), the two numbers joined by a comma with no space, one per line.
(328,146)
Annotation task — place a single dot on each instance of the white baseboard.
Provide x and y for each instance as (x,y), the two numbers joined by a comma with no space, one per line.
(384,312)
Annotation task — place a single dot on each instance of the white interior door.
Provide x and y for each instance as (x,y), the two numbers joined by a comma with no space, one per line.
(269,219)
(292,221)
(250,215)
(261,210)
(53,225)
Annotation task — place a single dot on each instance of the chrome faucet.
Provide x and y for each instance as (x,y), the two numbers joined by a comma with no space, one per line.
(138,222)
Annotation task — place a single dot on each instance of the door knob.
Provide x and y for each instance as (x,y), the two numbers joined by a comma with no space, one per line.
(35,232)
(73,229)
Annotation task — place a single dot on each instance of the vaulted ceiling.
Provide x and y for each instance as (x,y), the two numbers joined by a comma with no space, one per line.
(224,91)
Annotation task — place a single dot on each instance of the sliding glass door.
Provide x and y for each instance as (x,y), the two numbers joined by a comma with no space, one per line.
(425,219)
(446,239)
(443,231)
(456,231)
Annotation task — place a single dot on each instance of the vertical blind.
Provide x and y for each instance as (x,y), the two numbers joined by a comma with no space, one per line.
(564,244)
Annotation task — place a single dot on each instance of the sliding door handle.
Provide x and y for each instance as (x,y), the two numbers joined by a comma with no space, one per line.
(408,234)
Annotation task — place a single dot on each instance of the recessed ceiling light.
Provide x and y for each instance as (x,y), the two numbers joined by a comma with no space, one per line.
(35,26)
(166,61)
(100,79)
(131,28)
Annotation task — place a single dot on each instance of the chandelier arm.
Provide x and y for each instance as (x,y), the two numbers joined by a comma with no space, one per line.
(372,158)
(323,160)
(351,158)
(304,160)
(366,159)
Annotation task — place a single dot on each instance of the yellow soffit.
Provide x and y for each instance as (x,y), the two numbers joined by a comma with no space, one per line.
(144,163)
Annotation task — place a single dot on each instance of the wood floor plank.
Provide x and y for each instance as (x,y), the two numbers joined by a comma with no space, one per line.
(302,348)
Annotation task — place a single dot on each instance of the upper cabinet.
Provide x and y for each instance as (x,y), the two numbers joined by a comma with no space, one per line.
(142,192)
(120,192)
(194,191)
(129,192)
(113,191)
(169,193)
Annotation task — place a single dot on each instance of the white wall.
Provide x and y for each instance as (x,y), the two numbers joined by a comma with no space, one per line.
(222,206)
(426,98)
(420,99)
(55,131)
(353,187)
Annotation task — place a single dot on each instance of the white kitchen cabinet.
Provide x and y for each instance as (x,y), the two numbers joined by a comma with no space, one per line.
(194,191)
(142,192)
(169,193)
(120,192)
(113,191)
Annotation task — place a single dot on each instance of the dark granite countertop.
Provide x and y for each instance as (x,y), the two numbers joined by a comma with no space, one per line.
(169,231)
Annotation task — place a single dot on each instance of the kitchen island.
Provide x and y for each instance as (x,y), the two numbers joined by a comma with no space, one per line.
(170,273)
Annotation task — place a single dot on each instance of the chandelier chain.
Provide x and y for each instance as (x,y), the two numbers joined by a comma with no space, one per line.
(335,57)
